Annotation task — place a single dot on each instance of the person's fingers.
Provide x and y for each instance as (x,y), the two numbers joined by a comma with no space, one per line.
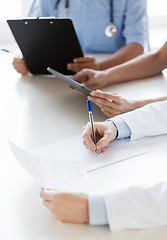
(47,195)
(105,95)
(92,84)
(21,61)
(48,204)
(84,75)
(84,143)
(106,106)
(101,102)
(103,149)
(19,67)
(89,82)
(109,111)
(84,127)
(84,59)
(109,114)
(17,64)
(78,66)
(87,146)
(74,69)
(88,142)
(21,70)
(81,76)
(104,141)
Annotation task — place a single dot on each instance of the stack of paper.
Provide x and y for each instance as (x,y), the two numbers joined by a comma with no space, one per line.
(63,165)
(54,173)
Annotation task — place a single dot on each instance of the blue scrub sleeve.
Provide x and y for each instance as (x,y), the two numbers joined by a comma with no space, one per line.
(136,23)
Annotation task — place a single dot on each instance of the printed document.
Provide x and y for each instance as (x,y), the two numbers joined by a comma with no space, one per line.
(56,172)
(73,148)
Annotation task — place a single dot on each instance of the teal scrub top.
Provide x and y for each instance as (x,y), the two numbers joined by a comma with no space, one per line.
(90,18)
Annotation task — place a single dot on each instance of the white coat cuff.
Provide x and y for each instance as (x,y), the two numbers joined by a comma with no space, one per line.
(123,129)
(97,210)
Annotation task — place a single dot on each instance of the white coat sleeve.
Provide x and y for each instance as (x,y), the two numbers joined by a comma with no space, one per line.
(137,207)
(150,120)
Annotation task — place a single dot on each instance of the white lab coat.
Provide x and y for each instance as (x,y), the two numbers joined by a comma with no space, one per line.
(137,207)
(150,120)
(140,206)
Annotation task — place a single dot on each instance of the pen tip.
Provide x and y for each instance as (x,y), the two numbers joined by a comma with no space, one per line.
(96,152)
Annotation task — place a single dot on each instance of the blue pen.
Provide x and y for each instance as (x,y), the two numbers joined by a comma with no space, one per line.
(11,53)
(5,50)
(91,122)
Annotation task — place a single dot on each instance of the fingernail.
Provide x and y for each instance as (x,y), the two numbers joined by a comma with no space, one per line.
(75,60)
(99,147)
(93,93)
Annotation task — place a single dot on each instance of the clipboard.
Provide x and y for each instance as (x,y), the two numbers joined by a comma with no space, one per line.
(46,42)
(86,91)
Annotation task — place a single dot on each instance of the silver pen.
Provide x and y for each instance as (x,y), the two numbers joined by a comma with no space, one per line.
(91,122)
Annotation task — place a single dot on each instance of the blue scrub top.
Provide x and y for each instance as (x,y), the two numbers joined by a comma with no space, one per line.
(90,18)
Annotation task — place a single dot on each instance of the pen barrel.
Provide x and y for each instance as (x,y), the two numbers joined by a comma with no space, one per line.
(92,126)
(4,50)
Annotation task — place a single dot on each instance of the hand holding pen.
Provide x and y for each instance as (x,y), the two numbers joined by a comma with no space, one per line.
(96,136)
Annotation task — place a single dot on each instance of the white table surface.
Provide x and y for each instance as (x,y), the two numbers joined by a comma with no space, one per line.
(40,110)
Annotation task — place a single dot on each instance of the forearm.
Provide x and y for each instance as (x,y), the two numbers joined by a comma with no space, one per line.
(141,103)
(141,67)
(125,54)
